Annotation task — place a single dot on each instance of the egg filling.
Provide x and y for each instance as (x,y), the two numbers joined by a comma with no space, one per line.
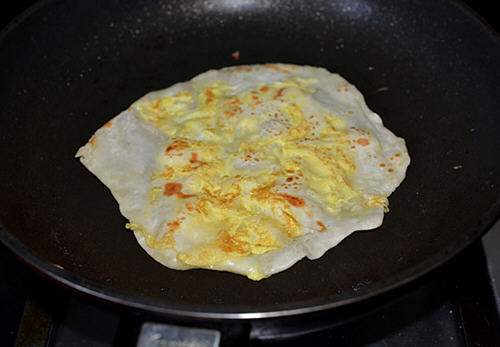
(251,161)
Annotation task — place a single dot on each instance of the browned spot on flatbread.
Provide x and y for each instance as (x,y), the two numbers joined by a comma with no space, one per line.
(157,104)
(293,200)
(194,158)
(175,189)
(322,226)
(279,93)
(177,145)
(363,141)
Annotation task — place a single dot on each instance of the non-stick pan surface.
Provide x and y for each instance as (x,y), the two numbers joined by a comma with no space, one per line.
(429,68)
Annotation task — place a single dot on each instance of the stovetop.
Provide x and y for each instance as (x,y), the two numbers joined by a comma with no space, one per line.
(455,305)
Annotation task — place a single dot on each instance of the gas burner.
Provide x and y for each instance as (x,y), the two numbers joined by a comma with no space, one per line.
(454,305)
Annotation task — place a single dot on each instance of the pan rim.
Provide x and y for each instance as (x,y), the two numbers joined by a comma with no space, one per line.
(82,286)
(45,268)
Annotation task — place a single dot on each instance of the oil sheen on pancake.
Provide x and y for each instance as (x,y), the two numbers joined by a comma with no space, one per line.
(248,169)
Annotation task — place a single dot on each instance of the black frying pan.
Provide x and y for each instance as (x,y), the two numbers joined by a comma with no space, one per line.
(430,68)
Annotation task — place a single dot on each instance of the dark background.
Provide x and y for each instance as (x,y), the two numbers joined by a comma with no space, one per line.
(485,8)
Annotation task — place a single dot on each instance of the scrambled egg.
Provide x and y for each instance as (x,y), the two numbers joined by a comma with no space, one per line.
(248,169)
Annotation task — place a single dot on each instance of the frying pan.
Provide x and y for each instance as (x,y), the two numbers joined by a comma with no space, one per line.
(429,68)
